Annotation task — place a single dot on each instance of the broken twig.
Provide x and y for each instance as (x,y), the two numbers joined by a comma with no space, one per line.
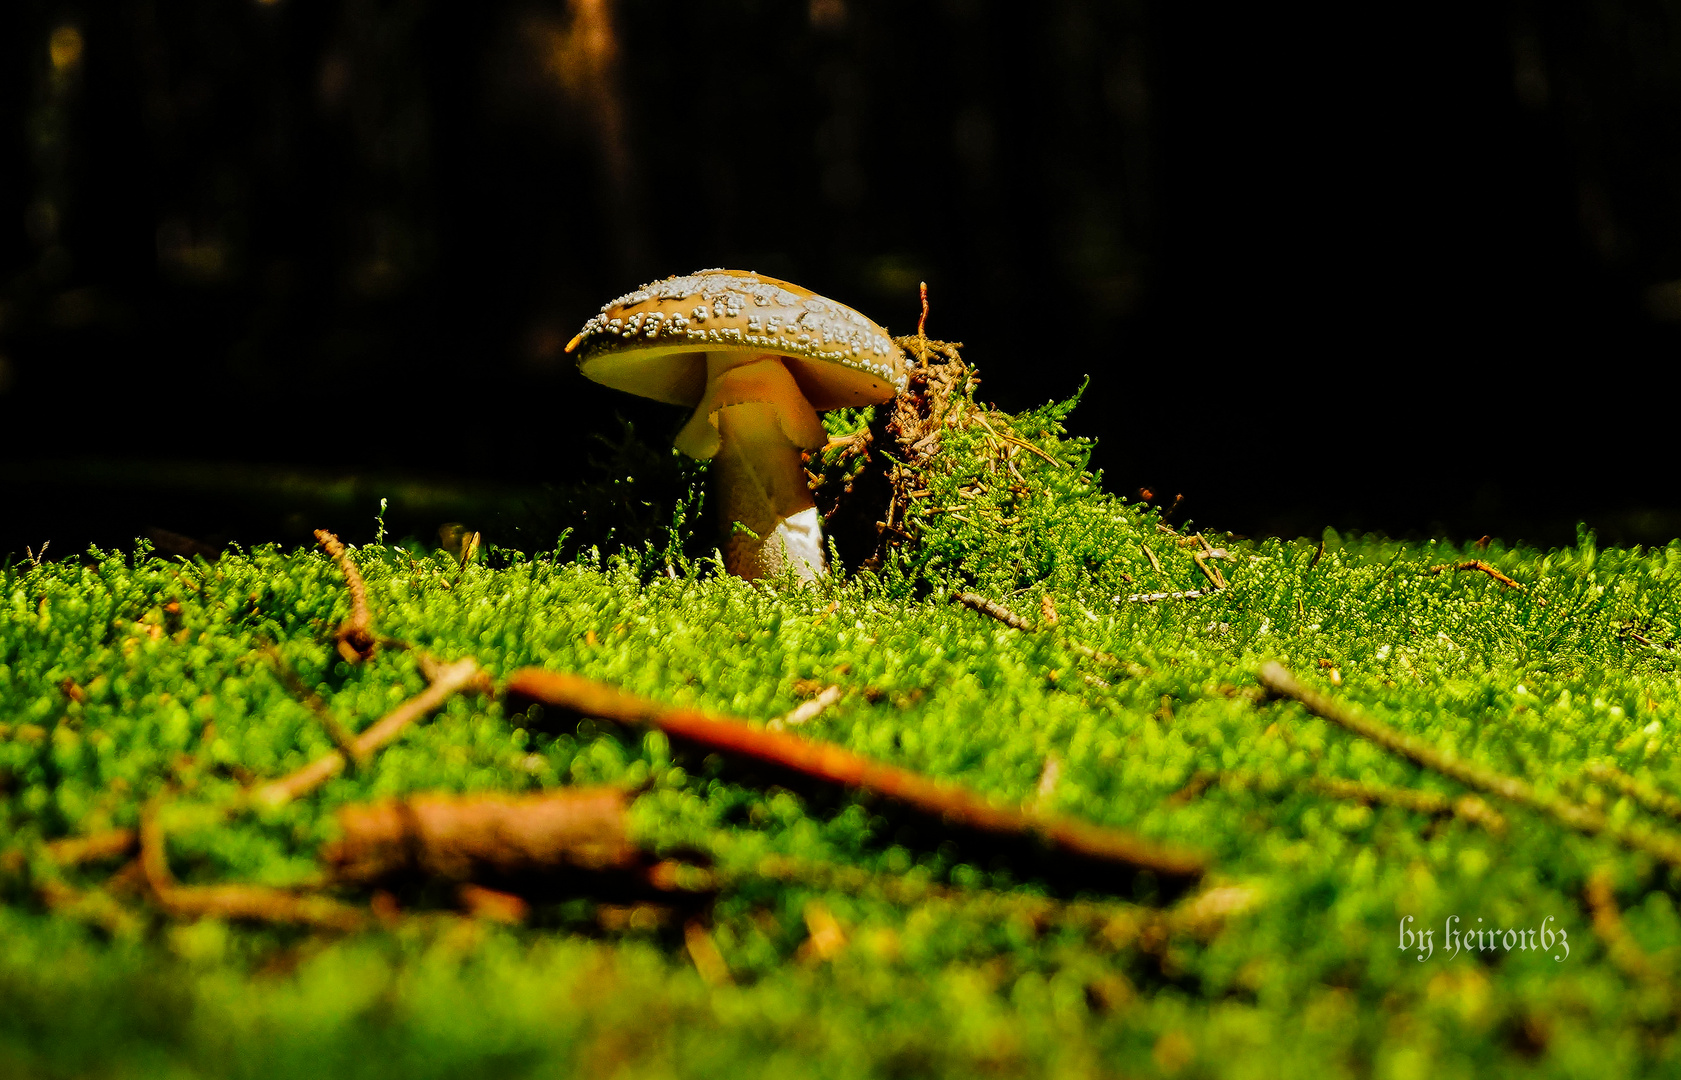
(1212,573)
(336,729)
(251,903)
(826,763)
(704,952)
(807,710)
(1620,946)
(95,847)
(1481,567)
(1152,597)
(516,842)
(1470,808)
(446,682)
(993,610)
(1661,802)
(355,635)
(1665,846)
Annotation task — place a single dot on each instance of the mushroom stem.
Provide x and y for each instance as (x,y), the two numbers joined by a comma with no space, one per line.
(760,483)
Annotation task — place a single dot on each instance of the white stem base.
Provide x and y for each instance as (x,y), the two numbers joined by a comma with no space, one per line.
(760,483)
(801,539)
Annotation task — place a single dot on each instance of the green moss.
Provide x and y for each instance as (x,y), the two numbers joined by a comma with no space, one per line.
(174,698)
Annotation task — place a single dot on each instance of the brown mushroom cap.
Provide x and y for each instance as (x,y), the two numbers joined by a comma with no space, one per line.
(654,341)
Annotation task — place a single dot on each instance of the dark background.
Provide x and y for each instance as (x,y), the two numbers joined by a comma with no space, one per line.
(1413,267)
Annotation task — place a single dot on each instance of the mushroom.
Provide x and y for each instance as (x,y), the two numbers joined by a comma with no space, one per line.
(756,358)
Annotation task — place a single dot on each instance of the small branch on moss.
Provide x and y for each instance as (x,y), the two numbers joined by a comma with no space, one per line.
(446,682)
(1049,774)
(1481,567)
(492,905)
(913,891)
(1469,808)
(245,902)
(1620,945)
(1155,564)
(96,907)
(1645,794)
(704,952)
(336,729)
(1152,597)
(807,710)
(825,939)
(469,548)
(1648,642)
(953,805)
(95,847)
(1202,913)
(355,635)
(1194,787)
(1665,846)
(1212,573)
(994,610)
(499,838)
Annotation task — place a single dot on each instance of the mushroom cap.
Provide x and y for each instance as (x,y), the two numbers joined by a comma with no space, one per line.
(654,342)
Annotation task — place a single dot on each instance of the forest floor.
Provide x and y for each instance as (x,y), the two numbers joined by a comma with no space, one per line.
(1377,808)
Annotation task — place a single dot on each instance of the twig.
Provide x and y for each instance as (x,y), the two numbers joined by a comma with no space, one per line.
(1482,567)
(1471,808)
(469,548)
(1630,634)
(1155,563)
(807,710)
(342,736)
(1201,913)
(1195,786)
(355,635)
(1049,774)
(492,905)
(1620,945)
(704,952)
(1152,597)
(95,847)
(1212,573)
(1665,846)
(993,609)
(96,907)
(824,937)
(952,804)
(248,902)
(498,839)
(1646,795)
(922,323)
(447,681)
